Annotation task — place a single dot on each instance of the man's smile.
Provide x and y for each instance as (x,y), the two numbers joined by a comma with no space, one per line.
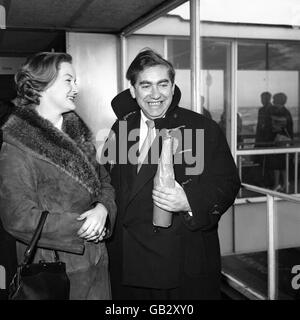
(155,104)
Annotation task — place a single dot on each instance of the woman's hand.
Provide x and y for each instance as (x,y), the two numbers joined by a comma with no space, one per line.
(93,228)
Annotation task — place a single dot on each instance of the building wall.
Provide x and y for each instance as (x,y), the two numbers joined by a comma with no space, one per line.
(250,222)
(10,65)
(136,43)
(175,26)
(225,232)
(96,64)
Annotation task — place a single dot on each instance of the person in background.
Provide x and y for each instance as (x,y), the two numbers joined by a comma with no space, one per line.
(48,162)
(281,134)
(205,112)
(263,135)
(222,124)
(183,260)
(264,138)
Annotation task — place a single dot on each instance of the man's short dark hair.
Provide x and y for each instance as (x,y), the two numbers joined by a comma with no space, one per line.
(266,95)
(145,59)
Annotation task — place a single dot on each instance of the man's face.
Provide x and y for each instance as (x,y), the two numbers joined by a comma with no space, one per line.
(153,91)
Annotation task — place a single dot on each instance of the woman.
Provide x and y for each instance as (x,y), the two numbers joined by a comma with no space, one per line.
(48,162)
(281,134)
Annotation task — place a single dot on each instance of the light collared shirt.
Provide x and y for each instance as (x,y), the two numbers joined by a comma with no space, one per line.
(144,130)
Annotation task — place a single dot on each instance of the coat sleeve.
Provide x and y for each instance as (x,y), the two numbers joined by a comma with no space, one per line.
(107,198)
(290,129)
(109,154)
(259,137)
(20,207)
(213,192)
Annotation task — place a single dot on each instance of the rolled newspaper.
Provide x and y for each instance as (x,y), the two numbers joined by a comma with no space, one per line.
(164,178)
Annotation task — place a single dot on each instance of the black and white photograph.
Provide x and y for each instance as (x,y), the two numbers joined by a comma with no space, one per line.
(149,153)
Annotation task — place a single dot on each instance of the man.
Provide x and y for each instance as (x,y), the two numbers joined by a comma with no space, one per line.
(263,131)
(264,138)
(205,112)
(183,260)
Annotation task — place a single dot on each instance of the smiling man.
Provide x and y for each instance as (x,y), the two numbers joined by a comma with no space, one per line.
(153,91)
(181,261)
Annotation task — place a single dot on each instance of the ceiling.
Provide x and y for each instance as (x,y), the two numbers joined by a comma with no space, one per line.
(34,25)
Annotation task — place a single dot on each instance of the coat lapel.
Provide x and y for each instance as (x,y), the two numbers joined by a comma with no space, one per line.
(128,172)
(134,181)
(146,172)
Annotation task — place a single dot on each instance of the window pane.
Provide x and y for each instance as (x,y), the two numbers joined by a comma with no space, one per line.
(264,71)
(268,105)
(215,85)
(215,77)
(179,53)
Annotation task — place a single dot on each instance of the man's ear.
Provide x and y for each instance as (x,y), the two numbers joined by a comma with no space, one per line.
(132,91)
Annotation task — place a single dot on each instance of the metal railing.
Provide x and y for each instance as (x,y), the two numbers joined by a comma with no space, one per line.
(286,151)
(271,228)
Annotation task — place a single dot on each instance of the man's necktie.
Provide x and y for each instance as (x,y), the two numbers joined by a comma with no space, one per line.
(146,144)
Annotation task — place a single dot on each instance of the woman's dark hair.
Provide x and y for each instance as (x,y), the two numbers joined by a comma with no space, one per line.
(280,99)
(145,59)
(38,72)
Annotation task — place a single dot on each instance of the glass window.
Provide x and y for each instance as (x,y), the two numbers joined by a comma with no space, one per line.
(179,53)
(215,76)
(268,108)
(216,99)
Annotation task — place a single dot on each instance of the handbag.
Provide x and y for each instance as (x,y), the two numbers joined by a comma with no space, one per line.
(283,139)
(39,281)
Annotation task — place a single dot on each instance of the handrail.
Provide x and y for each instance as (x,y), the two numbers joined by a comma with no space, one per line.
(271,193)
(271,231)
(286,151)
(259,151)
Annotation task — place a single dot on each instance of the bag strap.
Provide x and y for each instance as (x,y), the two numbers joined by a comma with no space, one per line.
(30,249)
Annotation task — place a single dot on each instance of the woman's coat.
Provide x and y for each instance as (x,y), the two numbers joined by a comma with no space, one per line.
(43,168)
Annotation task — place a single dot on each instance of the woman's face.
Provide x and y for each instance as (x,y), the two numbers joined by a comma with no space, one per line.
(61,93)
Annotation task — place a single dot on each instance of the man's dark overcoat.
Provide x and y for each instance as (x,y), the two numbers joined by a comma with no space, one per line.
(187,254)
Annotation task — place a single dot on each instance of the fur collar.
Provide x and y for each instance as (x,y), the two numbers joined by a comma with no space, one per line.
(71,150)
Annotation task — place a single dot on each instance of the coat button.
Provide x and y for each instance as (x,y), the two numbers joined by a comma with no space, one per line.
(175,115)
(155,229)
(187,217)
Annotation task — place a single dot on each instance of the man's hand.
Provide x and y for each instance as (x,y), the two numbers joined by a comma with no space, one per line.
(171,199)
(93,227)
